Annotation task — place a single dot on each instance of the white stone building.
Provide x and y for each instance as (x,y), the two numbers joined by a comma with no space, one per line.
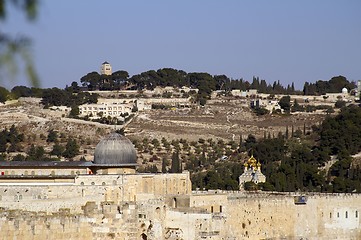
(112,107)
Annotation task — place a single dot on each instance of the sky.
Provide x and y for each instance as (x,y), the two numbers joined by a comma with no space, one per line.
(286,40)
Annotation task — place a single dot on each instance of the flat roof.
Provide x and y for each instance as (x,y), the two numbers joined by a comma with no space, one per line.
(45,164)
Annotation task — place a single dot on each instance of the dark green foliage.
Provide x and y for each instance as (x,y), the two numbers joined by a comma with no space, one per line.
(59,97)
(250,142)
(74,112)
(342,132)
(285,103)
(91,80)
(74,88)
(250,186)
(176,164)
(19,157)
(71,148)
(35,153)
(164,165)
(334,85)
(224,176)
(296,107)
(4,94)
(52,136)
(21,91)
(149,169)
(57,150)
(3,141)
(340,104)
(259,111)
(10,139)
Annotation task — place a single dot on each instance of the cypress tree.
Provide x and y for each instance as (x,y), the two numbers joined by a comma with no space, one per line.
(164,166)
(175,167)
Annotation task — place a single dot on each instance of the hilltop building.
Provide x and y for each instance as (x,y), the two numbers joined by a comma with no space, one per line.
(113,107)
(108,199)
(106,69)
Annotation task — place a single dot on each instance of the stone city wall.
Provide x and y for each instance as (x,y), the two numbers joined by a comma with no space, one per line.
(96,207)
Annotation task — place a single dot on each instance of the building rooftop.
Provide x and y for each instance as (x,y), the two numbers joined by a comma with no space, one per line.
(115,150)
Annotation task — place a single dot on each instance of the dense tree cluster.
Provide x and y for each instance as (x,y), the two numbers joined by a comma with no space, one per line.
(179,78)
(70,96)
(341,134)
(60,97)
(95,81)
(334,85)
(10,139)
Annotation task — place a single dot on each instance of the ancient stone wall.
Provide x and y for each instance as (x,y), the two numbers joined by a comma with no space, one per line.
(161,207)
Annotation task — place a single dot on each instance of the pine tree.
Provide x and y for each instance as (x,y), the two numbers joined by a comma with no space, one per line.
(57,150)
(71,149)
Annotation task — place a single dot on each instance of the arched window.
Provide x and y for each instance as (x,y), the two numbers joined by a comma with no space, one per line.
(144,236)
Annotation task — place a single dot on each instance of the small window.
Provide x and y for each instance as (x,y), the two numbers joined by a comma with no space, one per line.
(338,214)
(103,183)
(356,214)
(346,214)
(93,183)
(82,183)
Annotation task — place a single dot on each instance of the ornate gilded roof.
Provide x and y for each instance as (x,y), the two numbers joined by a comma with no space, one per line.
(252,162)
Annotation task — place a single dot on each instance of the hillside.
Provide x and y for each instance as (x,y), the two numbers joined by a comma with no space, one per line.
(226,121)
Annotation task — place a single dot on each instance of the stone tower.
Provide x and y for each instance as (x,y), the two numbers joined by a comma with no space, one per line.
(106,69)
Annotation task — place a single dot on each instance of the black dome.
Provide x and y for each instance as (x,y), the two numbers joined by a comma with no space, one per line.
(115,150)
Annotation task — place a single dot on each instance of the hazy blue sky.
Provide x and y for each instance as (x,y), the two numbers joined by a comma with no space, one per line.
(288,40)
